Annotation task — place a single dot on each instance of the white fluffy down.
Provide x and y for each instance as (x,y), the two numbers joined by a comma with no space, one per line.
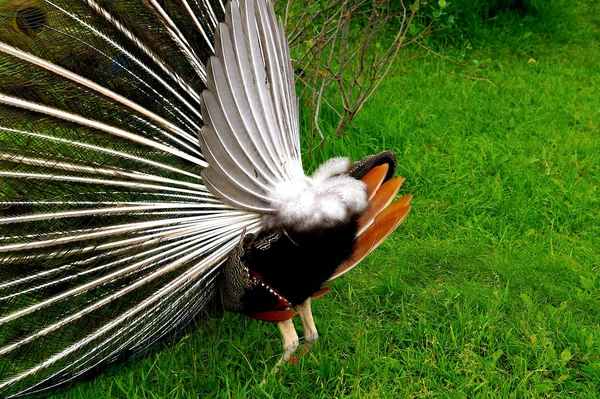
(325,200)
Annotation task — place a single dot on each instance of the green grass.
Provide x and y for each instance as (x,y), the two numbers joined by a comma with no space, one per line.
(491,287)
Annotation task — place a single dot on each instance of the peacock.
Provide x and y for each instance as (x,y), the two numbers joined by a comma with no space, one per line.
(150,164)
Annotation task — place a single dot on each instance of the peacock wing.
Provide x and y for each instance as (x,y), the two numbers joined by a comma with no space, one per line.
(251,109)
(381,218)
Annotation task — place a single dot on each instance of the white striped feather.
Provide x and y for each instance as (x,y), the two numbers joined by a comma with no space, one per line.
(95,170)
(81,120)
(96,148)
(238,87)
(252,102)
(180,39)
(276,64)
(119,235)
(199,26)
(10,50)
(250,110)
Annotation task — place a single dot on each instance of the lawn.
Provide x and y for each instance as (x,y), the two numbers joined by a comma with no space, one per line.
(490,288)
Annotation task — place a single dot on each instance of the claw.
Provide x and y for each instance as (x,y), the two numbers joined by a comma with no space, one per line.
(290,337)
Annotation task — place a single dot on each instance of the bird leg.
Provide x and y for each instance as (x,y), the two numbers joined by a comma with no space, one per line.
(290,342)
(290,337)
(310,330)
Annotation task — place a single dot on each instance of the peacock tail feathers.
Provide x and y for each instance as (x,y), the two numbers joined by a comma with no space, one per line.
(109,238)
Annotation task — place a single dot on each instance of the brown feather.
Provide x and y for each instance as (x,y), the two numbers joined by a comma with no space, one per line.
(374,178)
(395,206)
(321,292)
(275,316)
(382,198)
(374,235)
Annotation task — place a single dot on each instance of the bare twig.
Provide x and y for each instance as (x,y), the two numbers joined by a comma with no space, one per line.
(438,54)
(348,47)
(476,78)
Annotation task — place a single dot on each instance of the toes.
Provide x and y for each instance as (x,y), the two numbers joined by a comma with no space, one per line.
(289,349)
(312,337)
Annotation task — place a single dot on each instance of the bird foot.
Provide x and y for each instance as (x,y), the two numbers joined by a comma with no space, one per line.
(308,344)
(290,343)
(310,330)
(286,357)
(312,338)
(288,351)
(290,337)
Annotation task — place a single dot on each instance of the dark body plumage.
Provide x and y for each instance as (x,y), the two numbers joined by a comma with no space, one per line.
(276,269)
(298,264)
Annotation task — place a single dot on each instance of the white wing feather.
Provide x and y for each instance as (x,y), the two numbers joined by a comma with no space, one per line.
(251,137)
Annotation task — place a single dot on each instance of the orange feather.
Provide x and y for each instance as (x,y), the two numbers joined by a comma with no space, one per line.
(374,178)
(399,203)
(382,198)
(275,316)
(321,292)
(374,235)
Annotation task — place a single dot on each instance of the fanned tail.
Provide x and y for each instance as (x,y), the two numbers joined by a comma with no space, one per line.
(108,237)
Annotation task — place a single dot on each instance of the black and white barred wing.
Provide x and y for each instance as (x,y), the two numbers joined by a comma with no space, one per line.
(251,132)
(109,238)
